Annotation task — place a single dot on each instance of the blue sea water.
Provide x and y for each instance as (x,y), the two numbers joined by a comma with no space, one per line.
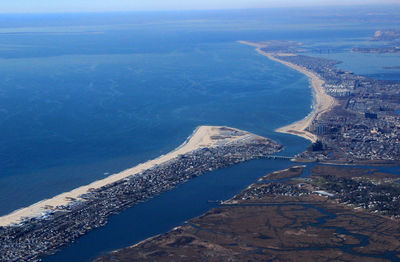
(62,115)
(83,96)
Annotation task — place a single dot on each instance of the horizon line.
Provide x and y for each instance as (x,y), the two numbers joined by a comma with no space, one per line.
(199,10)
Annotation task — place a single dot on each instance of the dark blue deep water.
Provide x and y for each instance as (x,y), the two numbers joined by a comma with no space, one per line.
(82,96)
(67,120)
(79,102)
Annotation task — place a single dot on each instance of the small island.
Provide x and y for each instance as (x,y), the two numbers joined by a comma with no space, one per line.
(386,35)
(288,173)
(391,45)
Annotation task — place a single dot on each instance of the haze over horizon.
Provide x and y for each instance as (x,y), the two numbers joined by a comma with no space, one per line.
(68,6)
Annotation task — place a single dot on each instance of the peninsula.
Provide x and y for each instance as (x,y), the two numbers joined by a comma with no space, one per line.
(40,229)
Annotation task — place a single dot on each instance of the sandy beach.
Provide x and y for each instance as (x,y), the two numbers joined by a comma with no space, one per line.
(203,136)
(323,101)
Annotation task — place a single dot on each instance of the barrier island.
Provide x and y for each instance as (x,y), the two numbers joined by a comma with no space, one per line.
(32,232)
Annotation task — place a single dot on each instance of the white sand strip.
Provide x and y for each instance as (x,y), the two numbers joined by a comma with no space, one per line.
(323,101)
(203,136)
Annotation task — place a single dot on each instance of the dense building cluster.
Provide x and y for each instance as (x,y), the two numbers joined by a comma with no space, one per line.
(271,189)
(365,125)
(43,235)
(383,198)
(376,196)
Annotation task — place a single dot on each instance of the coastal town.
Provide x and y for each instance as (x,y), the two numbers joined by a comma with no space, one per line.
(334,214)
(375,192)
(355,119)
(34,237)
(200,131)
(363,122)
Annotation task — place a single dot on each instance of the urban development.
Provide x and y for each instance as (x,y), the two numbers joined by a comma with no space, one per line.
(35,237)
(362,126)
(364,123)
(333,214)
(314,212)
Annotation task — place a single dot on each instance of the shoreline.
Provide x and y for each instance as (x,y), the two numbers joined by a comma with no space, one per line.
(322,101)
(210,148)
(243,217)
(202,136)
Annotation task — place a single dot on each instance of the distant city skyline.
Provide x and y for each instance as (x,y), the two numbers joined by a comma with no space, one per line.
(49,6)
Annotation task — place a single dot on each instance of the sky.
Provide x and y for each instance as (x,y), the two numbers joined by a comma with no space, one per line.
(50,6)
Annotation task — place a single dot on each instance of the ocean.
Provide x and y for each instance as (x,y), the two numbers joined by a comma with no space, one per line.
(83,96)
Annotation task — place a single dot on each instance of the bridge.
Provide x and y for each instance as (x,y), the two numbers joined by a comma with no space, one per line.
(279,157)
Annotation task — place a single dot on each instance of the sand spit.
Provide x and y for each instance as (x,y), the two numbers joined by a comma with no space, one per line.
(203,136)
(323,101)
